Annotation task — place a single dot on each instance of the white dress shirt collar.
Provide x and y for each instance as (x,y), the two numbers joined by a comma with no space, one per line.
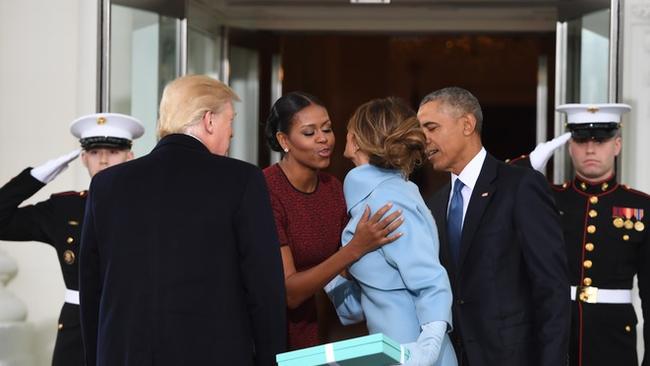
(469,174)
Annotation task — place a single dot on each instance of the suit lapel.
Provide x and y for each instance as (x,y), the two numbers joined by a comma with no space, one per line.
(479,201)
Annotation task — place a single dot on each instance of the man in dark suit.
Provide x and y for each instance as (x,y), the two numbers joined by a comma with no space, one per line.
(180,262)
(501,243)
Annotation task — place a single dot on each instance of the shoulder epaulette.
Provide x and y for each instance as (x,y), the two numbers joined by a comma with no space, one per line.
(70,193)
(561,187)
(631,190)
(514,160)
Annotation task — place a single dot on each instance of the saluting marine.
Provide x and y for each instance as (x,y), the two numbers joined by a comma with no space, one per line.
(105,141)
(605,231)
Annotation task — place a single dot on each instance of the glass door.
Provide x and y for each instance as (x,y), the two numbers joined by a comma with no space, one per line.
(207,43)
(142,53)
(586,64)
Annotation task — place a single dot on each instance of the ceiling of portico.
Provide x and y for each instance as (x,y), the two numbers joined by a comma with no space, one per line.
(398,16)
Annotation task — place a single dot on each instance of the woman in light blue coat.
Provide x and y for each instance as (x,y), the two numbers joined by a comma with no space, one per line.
(401,289)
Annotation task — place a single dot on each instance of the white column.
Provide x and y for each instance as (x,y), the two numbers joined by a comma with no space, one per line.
(15,333)
(48,77)
(636,92)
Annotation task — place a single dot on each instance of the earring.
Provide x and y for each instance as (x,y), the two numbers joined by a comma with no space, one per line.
(286,149)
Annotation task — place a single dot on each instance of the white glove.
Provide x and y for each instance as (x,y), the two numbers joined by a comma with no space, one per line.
(426,350)
(346,296)
(48,171)
(543,151)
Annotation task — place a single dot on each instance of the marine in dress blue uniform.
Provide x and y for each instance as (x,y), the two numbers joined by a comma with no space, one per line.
(58,220)
(605,231)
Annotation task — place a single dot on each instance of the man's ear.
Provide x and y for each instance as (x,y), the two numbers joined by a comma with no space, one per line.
(570,146)
(617,145)
(84,158)
(469,124)
(129,155)
(206,121)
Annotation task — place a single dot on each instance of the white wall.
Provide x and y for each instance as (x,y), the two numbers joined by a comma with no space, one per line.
(47,78)
(636,92)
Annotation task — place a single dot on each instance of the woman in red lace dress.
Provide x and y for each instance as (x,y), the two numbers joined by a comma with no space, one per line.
(310,211)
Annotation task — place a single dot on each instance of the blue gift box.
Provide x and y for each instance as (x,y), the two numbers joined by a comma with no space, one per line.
(371,350)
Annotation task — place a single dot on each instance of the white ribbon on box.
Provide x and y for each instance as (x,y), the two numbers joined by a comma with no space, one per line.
(402,354)
(329,355)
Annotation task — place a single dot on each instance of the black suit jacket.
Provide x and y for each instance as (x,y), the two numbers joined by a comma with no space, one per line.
(511,294)
(180,262)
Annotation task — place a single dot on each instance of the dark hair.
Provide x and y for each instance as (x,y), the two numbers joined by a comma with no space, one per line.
(281,116)
(460,100)
(389,132)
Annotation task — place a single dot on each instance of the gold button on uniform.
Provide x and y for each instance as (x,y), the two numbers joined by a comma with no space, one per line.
(593,200)
(564,185)
(73,223)
(628,328)
(626,237)
(604,186)
(593,213)
(591,229)
(68,256)
(587,263)
(589,247)
(587,281)
(70,240)
(60,326)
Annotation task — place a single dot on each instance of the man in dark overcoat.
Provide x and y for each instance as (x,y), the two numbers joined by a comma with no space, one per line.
(180,261)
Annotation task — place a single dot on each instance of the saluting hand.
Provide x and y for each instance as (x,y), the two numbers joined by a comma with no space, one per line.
(49,170)
(543,151)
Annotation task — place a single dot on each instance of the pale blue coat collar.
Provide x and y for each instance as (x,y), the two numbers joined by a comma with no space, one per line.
(362,180)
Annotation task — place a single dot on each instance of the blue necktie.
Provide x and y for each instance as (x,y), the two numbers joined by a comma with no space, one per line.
(455,220)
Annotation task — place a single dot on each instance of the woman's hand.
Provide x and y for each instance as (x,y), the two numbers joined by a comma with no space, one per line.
(372,232)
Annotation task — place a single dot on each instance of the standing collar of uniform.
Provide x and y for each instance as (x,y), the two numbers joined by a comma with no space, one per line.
(469,174)
(595,188)
(362,180)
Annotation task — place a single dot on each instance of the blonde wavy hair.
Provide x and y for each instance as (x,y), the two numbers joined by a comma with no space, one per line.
(389,132)
(186,99)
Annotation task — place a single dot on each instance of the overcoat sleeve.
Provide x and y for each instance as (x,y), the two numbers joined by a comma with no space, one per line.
(90,282)
(261,269)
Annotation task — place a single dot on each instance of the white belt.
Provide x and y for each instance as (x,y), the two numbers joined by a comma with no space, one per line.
(72,296)
(595,295)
